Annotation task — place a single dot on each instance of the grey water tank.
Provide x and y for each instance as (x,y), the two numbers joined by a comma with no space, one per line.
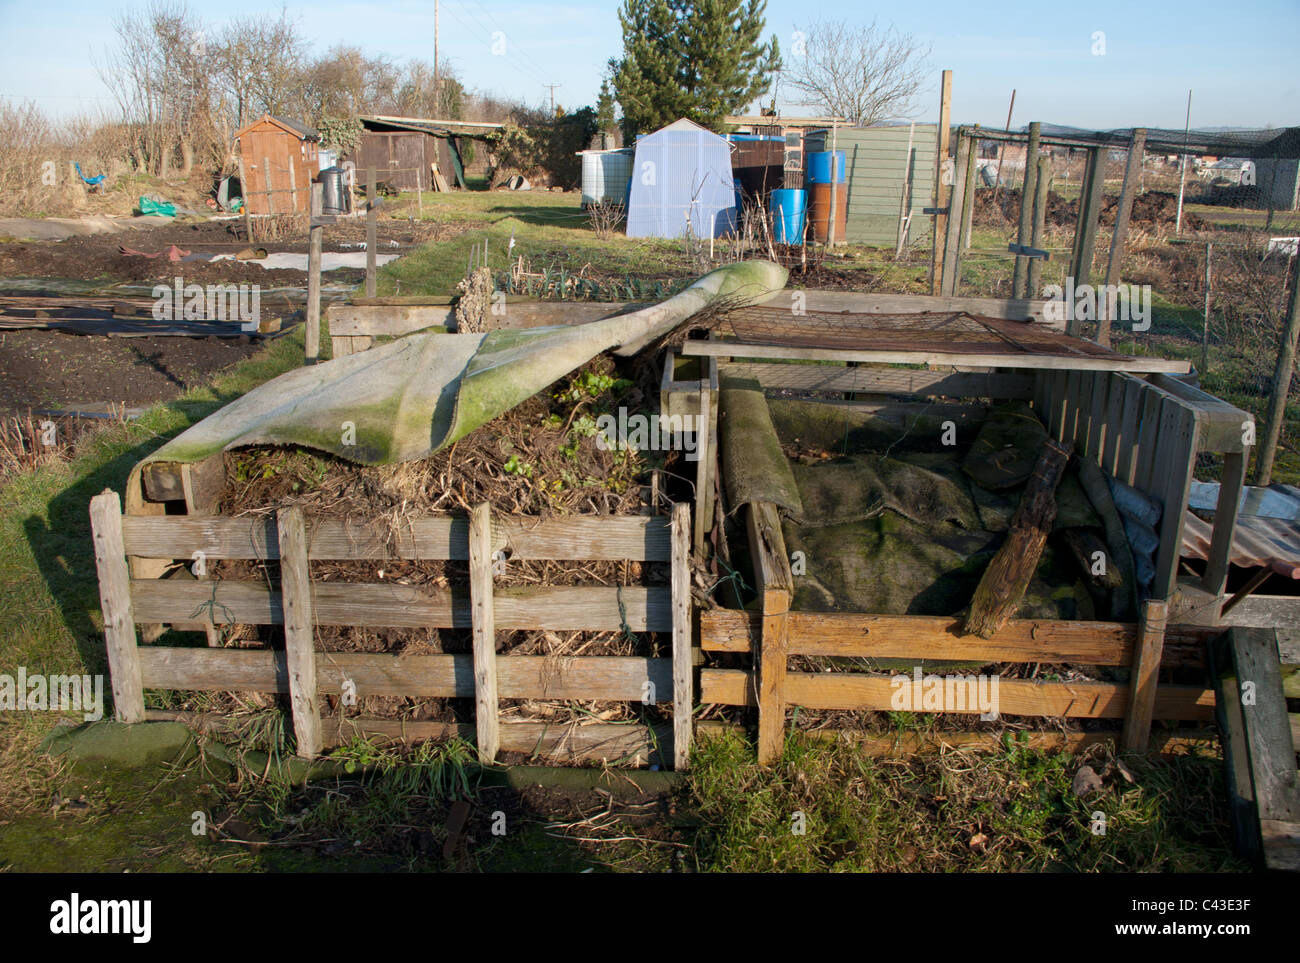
(334,196)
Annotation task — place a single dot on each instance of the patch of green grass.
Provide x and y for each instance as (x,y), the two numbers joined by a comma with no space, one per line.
(832,807)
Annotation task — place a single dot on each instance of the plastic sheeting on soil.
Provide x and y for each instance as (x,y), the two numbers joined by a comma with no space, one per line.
(405,400)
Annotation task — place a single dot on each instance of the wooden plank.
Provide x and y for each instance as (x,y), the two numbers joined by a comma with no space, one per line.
(353,319)
(1008,309)
(951,263)
(683,695)
(1134,363)
(908,382)
(579,537)
(115,602)
(1060,404)
(1267,729)
(594,608)
(1116,390)
(371,239)
(924,637)
(1148,438)
(605,677)
(1082,396)
(1175,456)
(486,717)
(1225,425)
(774,583)
(299,634)
(703,481)
(201,485)
(1126,451)
(1236,759)
(1016,697)
(1231,481)
(1144,680)
(1095,443)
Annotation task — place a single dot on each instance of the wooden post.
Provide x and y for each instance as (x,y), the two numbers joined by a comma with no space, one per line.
(1132,171)
(940,188)
(243,192)
(1085,232)
(968,198)
(952,236)
(1020,274)
(1042,188)
(1281,381)
(683,696)
(311,337)
(1144,675)
(703,468)
(370,232)
(835,184)
(299,631)
(293,188)
(1205,329)
(775,584)
(487,721)
(1225,521)
(115,600)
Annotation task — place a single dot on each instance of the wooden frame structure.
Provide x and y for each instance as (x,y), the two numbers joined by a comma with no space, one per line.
(299,603)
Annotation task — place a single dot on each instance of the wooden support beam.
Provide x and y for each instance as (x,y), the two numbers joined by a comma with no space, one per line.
(371,233)
(683,695)
(775,585)
(299,633)
(1042,188)
(1085,236)
(485,648)
(1175,460)
(1020,273)
(115,601)
(942,175)
(703,466)
(316,238)
(1282,375)
(1144,678)
(1132,173)
(948,275)
(1231,484)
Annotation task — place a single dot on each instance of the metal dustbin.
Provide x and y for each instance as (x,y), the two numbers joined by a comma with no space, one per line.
(334,194)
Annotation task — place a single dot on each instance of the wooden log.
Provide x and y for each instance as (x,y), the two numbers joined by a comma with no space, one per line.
(683,696)
(115,601)
(485,645)
(1144,678)
(1008,575)
(299,634)
(775,585)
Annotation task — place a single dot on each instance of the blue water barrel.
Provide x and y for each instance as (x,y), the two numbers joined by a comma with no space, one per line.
(819,167)
(788,209)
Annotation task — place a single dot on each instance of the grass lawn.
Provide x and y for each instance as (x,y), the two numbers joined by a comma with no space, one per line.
(1007,809)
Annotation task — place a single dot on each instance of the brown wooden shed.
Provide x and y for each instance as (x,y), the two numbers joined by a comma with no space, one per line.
(278,158)
(402,154)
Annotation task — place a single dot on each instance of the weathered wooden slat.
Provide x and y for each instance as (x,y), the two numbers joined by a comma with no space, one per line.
(774,583)
(1148,438)
(482,614)
(1267,731)
(1126,452)
(115,601)
(299,632)
(891,381)
(845,690)
(444,676)
(1223,424)
(1145,677)
(926,637)
(926,355)
(1225,522)
(1094,446)
(683,694)
(1006,308)
(556,607)
(616,537)
(1176,459)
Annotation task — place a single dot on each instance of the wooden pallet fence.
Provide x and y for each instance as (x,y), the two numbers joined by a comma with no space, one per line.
(1147,433)
(773,635)
(299,604)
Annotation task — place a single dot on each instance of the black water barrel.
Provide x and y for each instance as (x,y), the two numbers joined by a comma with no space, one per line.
(334,196)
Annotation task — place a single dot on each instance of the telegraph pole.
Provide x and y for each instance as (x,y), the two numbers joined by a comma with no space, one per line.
(552,86)
(437,87)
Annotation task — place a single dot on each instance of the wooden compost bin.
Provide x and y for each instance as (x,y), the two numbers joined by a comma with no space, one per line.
(1144,428)
(134,550)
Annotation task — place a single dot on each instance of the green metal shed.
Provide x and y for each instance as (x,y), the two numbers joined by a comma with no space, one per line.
(879,168)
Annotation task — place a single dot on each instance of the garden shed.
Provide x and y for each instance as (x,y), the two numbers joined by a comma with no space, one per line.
(278,158)
(403,154)
(681,181)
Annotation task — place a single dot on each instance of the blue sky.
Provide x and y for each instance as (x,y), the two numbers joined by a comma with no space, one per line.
(1239,58)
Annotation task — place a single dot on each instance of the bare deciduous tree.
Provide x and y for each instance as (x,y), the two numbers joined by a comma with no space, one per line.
(865,74)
